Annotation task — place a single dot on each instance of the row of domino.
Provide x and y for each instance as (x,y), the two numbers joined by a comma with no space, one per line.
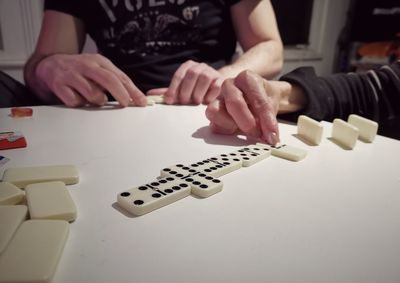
(199,179)
(343,133)
(34,221)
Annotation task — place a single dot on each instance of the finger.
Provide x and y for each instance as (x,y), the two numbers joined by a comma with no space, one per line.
(205,77)
(238,109)
(136,96)
(157,91)
(110,82)
(188,83)
(90,91)
(69,97)
(220,119)
(263,106)
(220,130)
(213,91)
(172,92)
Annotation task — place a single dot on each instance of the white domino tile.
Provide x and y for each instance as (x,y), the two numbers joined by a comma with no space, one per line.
(218,166)
(286,151)
(202,185)
(367,128)
(344,134)
(50,200)
(309,129)
(251,154)
(10,194)
(11,216)
(23,176)
(143,199)
(155,99)
(33,253)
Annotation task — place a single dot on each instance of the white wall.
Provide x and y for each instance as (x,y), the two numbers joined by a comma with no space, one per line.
(20,22)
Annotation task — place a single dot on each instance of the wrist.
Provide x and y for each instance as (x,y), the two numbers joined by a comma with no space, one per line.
(292,97)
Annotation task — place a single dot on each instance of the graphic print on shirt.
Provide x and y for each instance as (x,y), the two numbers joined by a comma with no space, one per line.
(150,27)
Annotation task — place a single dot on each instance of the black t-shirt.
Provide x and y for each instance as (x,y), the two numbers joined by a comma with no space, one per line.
(150,39)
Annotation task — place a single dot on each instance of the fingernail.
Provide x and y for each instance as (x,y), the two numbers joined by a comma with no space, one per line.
(272,138)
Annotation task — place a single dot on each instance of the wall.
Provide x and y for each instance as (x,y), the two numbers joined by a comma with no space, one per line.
(20,24)
(329,17)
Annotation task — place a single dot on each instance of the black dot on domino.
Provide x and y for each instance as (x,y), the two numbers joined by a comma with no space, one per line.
(203,186)
(162,181)
(196,183)
(202,175)
(209,178)
(168,191)
(179,175)
(138,202)
(155,184)
(176,188)
(125,194)
(142,188)
(156,195)
(216,181)
(170,179)
(189,179)
(183,185)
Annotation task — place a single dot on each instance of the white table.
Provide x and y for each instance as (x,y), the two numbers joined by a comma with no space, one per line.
(332,217)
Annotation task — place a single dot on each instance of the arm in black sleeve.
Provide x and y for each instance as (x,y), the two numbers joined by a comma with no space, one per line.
(374,95)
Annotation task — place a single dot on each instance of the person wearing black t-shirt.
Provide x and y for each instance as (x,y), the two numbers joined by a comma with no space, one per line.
(180,48)
(251,105)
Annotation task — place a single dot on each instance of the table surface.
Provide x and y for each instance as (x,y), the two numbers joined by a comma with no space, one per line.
(332,217)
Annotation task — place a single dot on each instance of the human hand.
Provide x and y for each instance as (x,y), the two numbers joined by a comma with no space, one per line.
(193,83)
(249,104)
(84,78)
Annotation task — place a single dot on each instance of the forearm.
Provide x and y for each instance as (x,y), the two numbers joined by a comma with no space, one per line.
(264,58)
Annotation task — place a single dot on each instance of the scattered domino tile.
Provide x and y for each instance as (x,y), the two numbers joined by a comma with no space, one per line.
(219,165)
(344,134)
(202,185)
(50,200)
(251,154)
(23,176)
(367,128)
(17,112)
(285,151)
(33,253)
(158,99)
(11,216)
(10,194)
(143,199)
(309,129)
(9,140)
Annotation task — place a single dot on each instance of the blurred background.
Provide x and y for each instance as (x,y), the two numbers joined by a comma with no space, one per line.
(331,35)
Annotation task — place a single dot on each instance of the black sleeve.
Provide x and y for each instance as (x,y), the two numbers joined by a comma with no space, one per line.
(374,95)
(70,7)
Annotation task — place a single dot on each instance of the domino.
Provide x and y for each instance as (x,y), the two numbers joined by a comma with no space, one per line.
(50,200)
(309,129)
(219,165)
(155,99)
(202,185)
(344,134)
(34,252)
(11,216)
(23,176)
(143,199)
(286,151)
(10,194)
(251,154)
(367,128)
